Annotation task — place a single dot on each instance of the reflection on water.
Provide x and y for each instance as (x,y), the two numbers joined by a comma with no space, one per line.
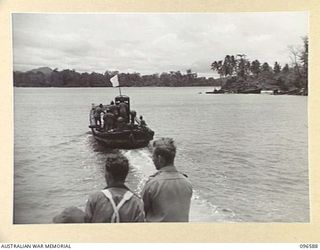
(246,155)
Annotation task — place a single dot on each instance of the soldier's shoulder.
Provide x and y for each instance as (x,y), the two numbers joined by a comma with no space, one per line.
(154,176)
(134,194)
(95,195)
(185,175)
(136,198)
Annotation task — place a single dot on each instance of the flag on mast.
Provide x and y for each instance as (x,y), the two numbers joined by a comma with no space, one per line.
(114,80)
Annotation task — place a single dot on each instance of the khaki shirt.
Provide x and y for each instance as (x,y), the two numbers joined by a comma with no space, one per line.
(114,109)
(167,196)
(108,118)
(123,107)
(98,112)
(99,208)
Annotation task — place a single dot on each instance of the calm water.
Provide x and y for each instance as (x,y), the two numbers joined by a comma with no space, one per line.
(246,155)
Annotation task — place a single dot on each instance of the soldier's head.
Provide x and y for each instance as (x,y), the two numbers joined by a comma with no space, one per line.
(116,169)
(164,152)
(70,215)
(120,120)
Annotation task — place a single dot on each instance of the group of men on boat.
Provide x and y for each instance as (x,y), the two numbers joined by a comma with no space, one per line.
(116,117)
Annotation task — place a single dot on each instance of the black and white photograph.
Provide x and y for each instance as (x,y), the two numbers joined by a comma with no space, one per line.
(143,117)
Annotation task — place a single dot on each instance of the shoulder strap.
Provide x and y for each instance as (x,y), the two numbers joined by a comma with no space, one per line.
(127,196)
(115,215)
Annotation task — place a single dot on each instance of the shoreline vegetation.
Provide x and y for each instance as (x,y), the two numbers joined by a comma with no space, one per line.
(240,75)
(46,77)
(237,75)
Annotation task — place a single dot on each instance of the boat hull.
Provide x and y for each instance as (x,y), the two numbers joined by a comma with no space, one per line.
(126,139)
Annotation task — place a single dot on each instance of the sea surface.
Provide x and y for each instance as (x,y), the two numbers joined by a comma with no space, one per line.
(246,155)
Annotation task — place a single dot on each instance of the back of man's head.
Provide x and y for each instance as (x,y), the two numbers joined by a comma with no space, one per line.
(117,166)
(70,215)
(166,148)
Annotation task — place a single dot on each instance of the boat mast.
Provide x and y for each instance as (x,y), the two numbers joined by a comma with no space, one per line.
(120,90)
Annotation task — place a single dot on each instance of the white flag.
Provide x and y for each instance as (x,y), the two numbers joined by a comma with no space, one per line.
(114,80)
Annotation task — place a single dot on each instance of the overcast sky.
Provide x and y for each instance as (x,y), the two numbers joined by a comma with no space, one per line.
(152,43)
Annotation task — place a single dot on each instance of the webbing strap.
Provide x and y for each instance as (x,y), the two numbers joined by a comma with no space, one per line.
(115,216)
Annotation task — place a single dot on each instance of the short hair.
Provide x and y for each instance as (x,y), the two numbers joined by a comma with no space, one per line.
(70,215)
(118,166)
(166,148)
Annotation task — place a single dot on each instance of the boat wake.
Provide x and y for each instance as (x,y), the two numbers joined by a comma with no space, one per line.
(99,147)
(141,162)
(201,210)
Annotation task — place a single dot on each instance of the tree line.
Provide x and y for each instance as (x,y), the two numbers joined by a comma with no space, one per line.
(238,72)
(45,77)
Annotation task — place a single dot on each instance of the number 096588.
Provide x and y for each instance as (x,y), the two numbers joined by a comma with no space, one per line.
(307,246)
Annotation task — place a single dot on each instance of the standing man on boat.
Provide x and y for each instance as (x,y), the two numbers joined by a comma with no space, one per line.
(108,120)
(115,203)
(113,108)
(133,115)
(97,114)
(123,111)
(167,194)
(142,122)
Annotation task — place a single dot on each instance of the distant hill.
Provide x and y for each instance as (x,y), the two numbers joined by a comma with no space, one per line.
(45,70)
